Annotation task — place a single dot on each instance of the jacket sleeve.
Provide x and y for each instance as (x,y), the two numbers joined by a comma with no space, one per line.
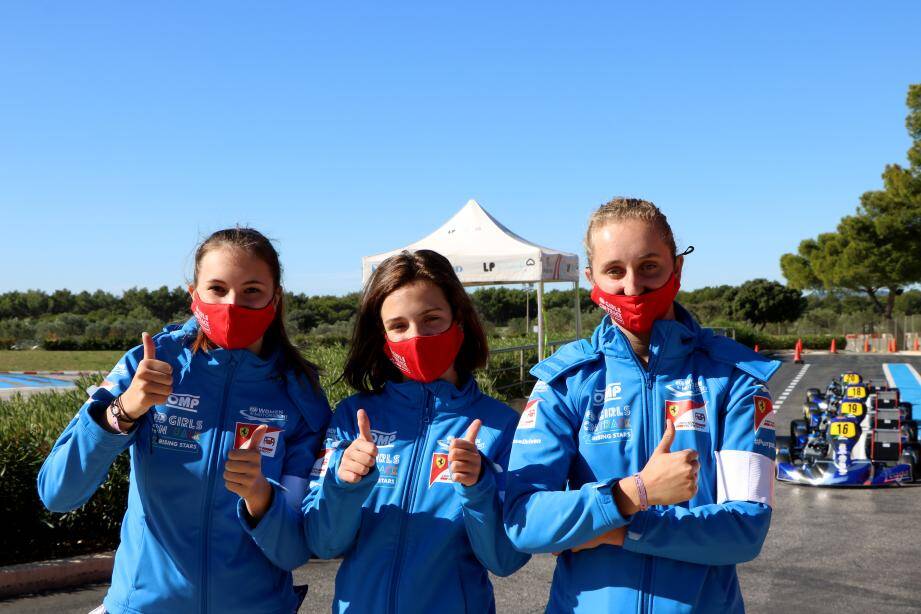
(281,532)
(482,509)
(80,459)
(333,508)
(733,529)
(541,515)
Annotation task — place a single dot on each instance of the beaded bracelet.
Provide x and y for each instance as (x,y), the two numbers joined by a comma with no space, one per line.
(641,491)
(118,411)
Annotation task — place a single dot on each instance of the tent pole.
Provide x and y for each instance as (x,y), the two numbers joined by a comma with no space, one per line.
(578,311)
(540,320)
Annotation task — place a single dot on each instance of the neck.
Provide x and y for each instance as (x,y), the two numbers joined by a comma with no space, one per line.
(640,341)
(256,347)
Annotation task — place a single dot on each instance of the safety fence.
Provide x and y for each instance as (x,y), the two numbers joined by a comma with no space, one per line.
(508,367)
(882,343)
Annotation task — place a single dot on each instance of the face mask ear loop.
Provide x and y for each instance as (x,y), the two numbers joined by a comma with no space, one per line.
(689,250)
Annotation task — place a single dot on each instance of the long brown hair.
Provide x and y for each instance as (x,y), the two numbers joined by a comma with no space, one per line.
(367,367)
(256,244)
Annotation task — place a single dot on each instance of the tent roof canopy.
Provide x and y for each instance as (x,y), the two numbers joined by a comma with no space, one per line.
(484,251)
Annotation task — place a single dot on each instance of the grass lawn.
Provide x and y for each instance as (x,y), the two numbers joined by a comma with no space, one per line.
(43,360)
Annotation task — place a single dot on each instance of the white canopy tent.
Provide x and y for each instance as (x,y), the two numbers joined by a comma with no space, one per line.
(485,252)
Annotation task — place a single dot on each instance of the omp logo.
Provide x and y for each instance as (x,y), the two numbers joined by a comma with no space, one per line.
(185,402)
(613,310)
(611,392)
(686,387)
(203,320)
(399,362)
(262,414)
(382,439)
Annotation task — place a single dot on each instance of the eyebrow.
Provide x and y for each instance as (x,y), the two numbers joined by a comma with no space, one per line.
(221,281)
(643,257)
(422,313)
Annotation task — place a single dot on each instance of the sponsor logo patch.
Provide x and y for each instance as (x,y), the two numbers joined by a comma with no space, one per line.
(530,441)
(383,439)
(262,414)
(388,467)
(528,418)
(244,430)
(607,424)
(439,473)
(764,413)
(176,431)
(185,402)
(687,414)
(611,392)
(686,387)
(321,464)
(119,370)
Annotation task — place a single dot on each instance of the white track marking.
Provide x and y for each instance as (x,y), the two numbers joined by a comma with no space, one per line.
(888,375)
(792,385)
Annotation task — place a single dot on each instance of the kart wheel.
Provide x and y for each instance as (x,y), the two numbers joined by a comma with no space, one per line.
(798,428)
(784,454)
(911,456)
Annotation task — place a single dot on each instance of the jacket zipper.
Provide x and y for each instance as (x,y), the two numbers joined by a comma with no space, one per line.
(216,446)
(409,498)
(649,379)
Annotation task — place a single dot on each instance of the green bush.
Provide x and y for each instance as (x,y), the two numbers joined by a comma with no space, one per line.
(28,429)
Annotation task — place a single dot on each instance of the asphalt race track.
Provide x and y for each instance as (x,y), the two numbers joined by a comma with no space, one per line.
(829,550)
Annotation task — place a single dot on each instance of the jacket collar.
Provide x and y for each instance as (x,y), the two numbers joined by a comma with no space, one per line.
(246,363)
(669,338)
(444,393)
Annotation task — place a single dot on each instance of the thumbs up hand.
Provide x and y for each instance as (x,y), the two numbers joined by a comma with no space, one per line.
(151,385)
(670,477)
(359,458)
(243,475)
(464,457)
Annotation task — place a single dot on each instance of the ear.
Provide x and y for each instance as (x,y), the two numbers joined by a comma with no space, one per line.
(679,265)
(278,294)
(588,276)
(191,289)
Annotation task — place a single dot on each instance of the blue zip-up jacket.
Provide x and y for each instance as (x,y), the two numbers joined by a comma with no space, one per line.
(183,548)
(595,416)
(412,540)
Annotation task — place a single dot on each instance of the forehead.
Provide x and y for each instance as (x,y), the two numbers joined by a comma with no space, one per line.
(233,264)
(627,241)
(413,298)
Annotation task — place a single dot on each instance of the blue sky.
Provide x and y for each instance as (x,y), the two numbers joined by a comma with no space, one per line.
(130,130)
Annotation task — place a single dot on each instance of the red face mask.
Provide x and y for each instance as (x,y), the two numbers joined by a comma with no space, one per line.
(638,313)
(230,326)
(426,357)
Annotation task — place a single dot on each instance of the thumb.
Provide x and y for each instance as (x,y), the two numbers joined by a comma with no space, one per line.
(255,439)
(473,430)
(364,426)
(150,350)
(668,437)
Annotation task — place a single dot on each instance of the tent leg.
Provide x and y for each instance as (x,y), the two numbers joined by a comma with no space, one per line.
(578,311)
(540,320)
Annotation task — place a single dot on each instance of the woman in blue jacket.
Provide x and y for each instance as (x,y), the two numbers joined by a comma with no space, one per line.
(644,455)
(197,406)
(409,490)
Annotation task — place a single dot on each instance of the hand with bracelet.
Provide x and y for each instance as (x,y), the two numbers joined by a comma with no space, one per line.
(152,384)
(668,478)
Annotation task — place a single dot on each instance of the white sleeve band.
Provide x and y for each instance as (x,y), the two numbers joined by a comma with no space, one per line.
(744,476)
(295,490)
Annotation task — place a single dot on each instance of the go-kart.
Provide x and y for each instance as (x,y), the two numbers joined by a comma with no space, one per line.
(844,444)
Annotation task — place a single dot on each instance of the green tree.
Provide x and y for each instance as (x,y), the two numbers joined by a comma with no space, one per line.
(876,250)
(761,301)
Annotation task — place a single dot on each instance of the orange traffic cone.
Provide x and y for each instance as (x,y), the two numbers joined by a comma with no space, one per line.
(892,349)
(834,347)
(917,343)
(866,345)
(798,352)
(756,347)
